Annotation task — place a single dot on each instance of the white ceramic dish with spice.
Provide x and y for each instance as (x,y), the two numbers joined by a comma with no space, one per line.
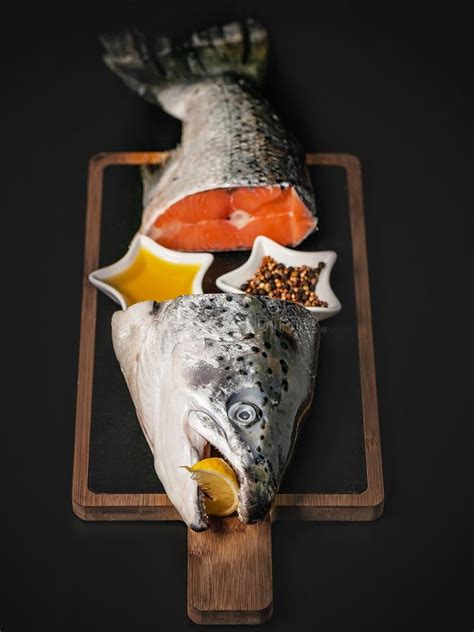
(263,246)
(100,277)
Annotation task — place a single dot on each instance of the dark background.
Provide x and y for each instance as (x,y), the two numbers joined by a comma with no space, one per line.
(387,82)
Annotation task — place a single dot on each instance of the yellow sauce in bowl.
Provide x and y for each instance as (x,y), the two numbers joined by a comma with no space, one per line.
(150,278)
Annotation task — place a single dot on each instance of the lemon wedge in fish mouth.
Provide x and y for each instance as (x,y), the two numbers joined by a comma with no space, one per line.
(219,485)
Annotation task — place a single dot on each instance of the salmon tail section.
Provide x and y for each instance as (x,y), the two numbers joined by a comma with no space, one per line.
(152,67)
(231,219)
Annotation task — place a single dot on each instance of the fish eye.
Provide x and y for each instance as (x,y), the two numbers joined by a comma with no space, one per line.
(243,412)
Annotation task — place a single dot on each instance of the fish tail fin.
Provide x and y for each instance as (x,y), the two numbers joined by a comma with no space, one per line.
(152,67)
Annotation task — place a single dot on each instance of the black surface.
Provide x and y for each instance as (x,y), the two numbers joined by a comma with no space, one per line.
(330,453)
(389,83)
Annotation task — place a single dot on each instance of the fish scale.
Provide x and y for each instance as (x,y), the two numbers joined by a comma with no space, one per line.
(242,155)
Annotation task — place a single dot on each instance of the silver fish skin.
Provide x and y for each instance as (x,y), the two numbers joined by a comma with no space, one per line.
(230,370)
(231,135)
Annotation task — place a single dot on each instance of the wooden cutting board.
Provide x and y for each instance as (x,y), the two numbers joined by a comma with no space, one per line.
(229,566)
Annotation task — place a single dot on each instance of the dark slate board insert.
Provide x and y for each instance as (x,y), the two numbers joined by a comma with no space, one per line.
(330,456)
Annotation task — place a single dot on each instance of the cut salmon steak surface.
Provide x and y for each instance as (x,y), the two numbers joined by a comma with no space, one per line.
(231,219)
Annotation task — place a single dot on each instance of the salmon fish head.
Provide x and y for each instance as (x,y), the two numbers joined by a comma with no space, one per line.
(230,370)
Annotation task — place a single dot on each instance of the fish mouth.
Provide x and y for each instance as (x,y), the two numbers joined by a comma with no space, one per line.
(257,485)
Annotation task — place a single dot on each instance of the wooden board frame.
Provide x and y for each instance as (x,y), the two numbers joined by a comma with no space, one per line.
(364,506)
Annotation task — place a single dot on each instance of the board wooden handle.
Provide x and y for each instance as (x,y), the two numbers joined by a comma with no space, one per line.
(230,573)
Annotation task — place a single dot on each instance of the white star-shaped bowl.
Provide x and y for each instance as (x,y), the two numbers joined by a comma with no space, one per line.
(99,277)
(262,246)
